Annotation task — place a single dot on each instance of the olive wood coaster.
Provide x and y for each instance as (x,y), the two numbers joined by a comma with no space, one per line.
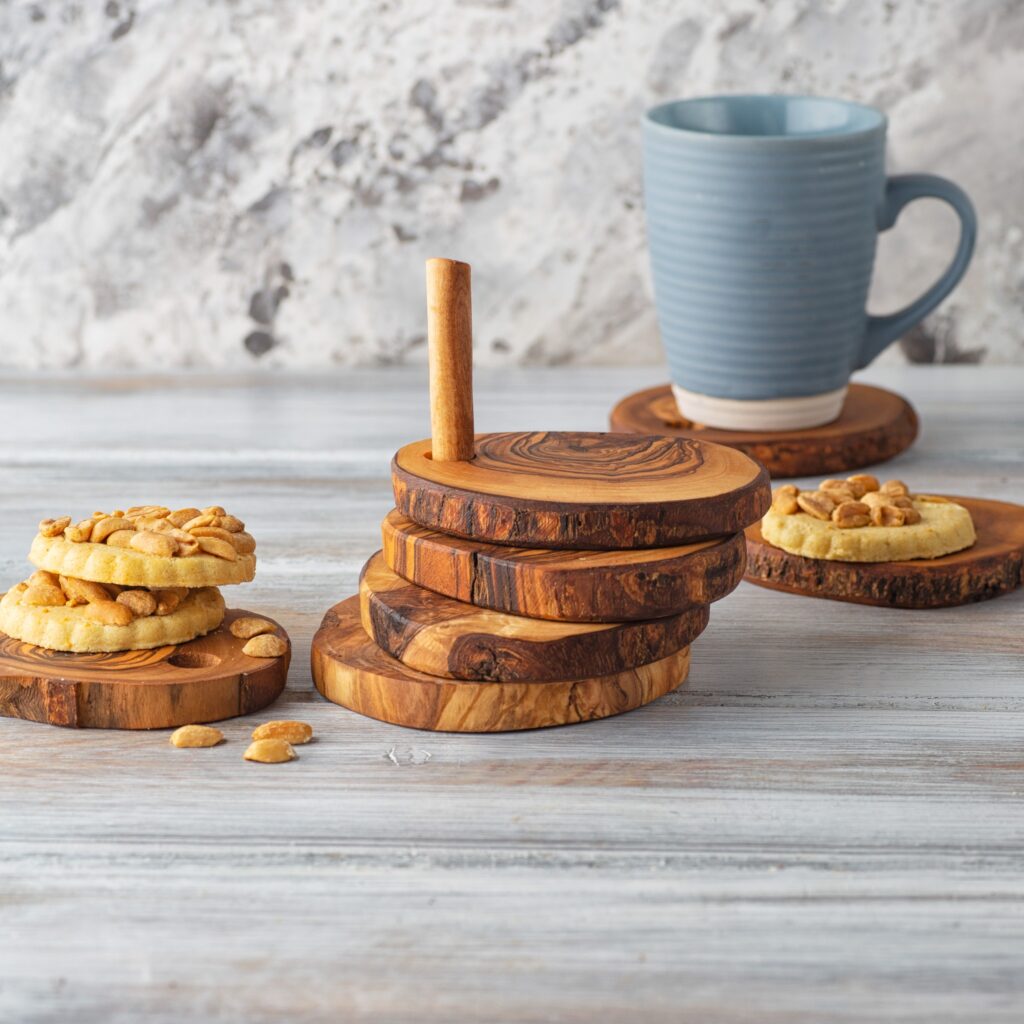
(874,425)
(550,489)
(204,680)
(582,490)
(568,586)
(991,567)
(444,637)
(351,670)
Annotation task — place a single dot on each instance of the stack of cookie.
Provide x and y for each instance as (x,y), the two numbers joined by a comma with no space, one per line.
(128,580)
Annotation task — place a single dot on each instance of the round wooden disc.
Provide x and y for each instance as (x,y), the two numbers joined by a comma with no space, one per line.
(582,490)
(444,637)
(351,670)
(874,425)
(990,568)
(203,680)
(567,586)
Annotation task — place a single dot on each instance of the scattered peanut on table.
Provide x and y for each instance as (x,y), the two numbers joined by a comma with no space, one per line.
(271,751)
(293,732)
(196,736)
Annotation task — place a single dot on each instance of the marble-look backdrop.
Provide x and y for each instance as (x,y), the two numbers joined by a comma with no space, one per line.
(234,182)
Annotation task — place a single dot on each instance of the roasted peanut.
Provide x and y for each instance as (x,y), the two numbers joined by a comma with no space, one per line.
(839,491)
(140,602)
(196,736)
(888,515)
(103,528)
(120,539)
(213,510)
(865,481)
(83,591)
(894,487)
(266,645)
(186,548)
(900,501)
(817,504)
(784,500)
(54,527)
(110,613)
(875,499)
(167,601)
(293,732)
(203,519)
(154,544)
(829,485)
(210,531)
(911,516)
(181,516)
(850,514)
(49,579)
(230,523)
(147,512)
(44,594)
(217,547)
(154,523)
(249,626)
(271,751)
(167,527)
(244,543)
(80,532)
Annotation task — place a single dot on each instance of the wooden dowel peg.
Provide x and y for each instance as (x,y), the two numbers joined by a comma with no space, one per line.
(450,353)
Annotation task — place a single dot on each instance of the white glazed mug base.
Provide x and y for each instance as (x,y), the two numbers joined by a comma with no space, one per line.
(760,414)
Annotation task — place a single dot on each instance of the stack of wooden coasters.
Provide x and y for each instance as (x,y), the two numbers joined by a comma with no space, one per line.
(533,579)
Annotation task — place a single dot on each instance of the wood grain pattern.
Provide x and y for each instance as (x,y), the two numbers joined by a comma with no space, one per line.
(204,680)
(568,586)
(990,568)
(875,425)
(444,637)
(582,490)
(823,826)
(450,358)
(351,670)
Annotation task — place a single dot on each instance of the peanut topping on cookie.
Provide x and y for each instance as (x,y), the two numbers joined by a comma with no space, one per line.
(102,602)
(157,530)
(856,501)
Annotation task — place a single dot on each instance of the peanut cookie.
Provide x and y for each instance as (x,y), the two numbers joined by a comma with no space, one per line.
(149,546)
(105,564)
(87,622)
(858,531)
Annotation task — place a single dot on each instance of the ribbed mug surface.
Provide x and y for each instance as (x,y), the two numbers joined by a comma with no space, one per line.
(762,220)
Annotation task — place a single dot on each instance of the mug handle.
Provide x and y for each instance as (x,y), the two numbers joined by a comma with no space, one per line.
(901,189)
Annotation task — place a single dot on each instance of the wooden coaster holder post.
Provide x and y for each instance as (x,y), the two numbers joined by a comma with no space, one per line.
(532,579)
(450,354)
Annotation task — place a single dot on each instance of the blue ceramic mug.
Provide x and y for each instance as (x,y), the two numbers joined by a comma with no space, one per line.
(762,218)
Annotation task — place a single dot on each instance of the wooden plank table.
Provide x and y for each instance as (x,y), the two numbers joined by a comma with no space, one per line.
(825,825)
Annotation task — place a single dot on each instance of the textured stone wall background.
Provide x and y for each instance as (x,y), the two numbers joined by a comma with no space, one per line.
(234,182)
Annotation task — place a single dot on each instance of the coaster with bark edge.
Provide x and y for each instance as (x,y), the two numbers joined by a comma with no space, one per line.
(582,490)
(351,670)
(204,680)
(874,425)
(568,586)
(991,567)
(444,637)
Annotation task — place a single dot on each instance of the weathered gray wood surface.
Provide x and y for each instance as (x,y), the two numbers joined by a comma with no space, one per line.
(826,825)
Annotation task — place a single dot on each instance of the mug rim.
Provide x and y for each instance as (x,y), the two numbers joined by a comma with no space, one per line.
(878,119)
